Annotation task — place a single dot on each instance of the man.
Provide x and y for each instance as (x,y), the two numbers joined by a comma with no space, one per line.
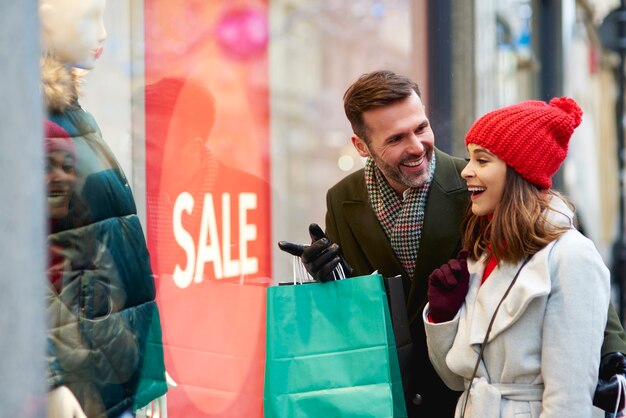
(401,214)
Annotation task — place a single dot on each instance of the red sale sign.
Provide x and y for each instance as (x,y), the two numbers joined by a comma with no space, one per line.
(208,199)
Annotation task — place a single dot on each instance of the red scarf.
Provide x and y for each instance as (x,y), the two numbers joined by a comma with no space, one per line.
(491,264)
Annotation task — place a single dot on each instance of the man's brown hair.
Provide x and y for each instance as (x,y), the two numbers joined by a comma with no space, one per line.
(373,90)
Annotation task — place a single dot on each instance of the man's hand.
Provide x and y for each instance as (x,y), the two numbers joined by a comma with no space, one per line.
(608,387)
(321,257)
(447,287)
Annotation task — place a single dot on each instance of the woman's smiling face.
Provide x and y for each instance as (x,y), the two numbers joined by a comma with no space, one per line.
(485,175)
(60,180)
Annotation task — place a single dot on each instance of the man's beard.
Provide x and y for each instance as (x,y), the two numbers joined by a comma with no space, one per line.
(394,173)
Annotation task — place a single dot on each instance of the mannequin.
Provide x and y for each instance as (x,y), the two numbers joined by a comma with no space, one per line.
(105,350)
(73,32)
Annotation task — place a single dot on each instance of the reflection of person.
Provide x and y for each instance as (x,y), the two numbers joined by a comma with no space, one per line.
(180,114)
(210,252)
(60,170)
(65,208)
(62,211)
(104,327)
(401,214)
(532,360)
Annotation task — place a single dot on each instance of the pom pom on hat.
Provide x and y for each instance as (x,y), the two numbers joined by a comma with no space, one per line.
(57,139)
(531,137)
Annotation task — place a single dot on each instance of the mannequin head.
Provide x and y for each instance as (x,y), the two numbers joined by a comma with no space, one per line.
(73,30)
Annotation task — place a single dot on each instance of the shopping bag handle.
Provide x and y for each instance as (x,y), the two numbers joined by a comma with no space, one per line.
(301,275)
(339,273)
(299,272)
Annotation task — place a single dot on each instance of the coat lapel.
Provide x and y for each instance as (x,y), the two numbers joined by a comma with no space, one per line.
(367,230)
(533,282)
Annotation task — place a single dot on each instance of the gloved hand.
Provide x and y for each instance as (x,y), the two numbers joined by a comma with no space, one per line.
(447,287)
(606,393)
(321,257)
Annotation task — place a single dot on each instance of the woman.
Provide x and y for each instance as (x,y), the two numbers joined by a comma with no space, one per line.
(517,320)
(65,208)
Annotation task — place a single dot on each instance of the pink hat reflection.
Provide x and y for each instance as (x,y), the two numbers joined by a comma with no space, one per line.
(57,139)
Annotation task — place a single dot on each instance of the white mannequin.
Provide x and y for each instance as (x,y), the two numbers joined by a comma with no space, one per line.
(73,33)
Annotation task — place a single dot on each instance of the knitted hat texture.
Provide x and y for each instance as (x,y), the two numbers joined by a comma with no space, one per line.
(531,137)
(57,139)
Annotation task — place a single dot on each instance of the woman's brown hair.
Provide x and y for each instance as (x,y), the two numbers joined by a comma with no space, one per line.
(519,226)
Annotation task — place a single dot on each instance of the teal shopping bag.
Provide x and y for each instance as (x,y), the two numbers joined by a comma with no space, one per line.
(331,351)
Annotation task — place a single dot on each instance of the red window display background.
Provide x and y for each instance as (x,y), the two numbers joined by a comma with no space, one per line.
(208,199)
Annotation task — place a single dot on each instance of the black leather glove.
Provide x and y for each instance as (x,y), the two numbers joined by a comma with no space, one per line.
(447,287)
(321,257)
(607,389)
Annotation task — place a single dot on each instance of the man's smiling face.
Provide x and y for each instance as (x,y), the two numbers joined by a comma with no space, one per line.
(400,141)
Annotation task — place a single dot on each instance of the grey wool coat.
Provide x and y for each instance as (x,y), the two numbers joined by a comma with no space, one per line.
(543,352)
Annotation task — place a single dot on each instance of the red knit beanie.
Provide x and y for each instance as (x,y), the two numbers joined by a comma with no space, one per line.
(57,139)
(531,136)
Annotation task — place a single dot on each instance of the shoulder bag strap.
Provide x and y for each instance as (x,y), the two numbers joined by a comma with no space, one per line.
(482,346)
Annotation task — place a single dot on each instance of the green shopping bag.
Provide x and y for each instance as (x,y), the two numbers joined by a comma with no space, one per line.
(331,351)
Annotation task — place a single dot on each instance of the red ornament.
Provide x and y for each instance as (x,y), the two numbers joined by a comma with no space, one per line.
(242,33)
